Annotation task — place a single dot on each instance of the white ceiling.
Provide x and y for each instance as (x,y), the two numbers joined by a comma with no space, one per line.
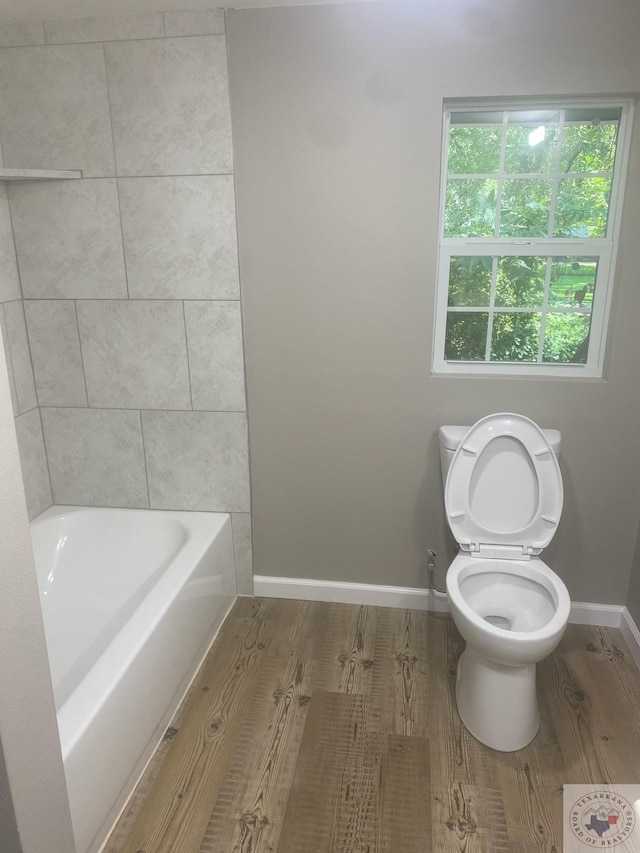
(36,10)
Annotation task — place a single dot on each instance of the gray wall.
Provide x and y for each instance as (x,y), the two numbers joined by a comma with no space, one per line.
(8,826)
(337,136)
(633,600)
(130,275)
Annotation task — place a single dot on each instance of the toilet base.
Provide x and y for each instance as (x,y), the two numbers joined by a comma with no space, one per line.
(497,703)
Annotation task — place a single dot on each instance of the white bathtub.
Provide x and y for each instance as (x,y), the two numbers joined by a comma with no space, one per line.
(131,600)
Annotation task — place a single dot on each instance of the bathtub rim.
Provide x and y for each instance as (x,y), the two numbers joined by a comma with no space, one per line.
(79,710)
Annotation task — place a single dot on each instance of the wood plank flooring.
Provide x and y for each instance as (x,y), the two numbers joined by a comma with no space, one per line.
(332,728)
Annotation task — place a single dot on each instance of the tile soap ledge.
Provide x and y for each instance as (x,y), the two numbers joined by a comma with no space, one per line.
(39,174)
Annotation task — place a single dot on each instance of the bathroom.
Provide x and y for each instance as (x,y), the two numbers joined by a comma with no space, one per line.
(333,138)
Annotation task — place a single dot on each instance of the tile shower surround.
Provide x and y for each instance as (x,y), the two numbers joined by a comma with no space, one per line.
(123,328)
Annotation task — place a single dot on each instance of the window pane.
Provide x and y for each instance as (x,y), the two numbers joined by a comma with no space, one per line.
(469,281)
(520,282)
(582,207)
(470,209)
(523,183)
(466,337)
(573,282)
(588,147)
(474,150)
(566,338)
(525,208)
(531,148)
(515,337)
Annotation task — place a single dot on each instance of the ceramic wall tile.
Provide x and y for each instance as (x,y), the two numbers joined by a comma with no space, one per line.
(20,356)
(241,524)
(200,23)
(170,106)
(180,237)
(54,109)
(33,460)
(95,457)
(55,351)
(109,339)
(9,278)
(197,460)
(134,354)
(110,28)
(216,363)
(7,358)
(68,239)
(20,33)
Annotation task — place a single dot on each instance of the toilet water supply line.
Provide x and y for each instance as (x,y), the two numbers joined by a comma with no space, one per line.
(431,569)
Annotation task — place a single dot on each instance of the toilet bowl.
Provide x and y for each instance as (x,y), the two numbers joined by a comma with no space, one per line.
(503,498)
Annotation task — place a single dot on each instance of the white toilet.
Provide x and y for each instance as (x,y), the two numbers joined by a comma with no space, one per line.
(503,499)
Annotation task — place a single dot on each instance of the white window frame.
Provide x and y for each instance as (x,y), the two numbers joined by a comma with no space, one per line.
(605,249)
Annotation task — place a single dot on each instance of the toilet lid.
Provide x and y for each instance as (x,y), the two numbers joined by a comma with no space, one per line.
(504,486)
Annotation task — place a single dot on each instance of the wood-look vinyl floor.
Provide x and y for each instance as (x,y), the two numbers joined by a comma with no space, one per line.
(332,728)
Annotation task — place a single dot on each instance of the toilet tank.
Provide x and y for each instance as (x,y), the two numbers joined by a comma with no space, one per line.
(451,436)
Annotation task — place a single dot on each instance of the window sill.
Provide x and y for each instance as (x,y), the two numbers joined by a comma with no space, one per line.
(517,371)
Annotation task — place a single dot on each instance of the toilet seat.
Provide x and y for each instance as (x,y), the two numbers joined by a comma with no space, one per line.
(521,476)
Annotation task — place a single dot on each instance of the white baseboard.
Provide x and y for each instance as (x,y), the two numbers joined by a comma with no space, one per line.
(343,592)
(631,634)
(586,613)
(306,589)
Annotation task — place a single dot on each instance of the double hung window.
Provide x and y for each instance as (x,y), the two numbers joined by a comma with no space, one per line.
(530,213)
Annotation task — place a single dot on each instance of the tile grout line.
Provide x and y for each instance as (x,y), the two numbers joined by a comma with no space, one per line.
(121,299)
(147,409)
(115,166)
(21,300)
(46,456)
(7,349)
(84,373)
(111,41)
(160,175)
(144,459)
(33,375)
(152,509)
(186,344)
(28,412)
